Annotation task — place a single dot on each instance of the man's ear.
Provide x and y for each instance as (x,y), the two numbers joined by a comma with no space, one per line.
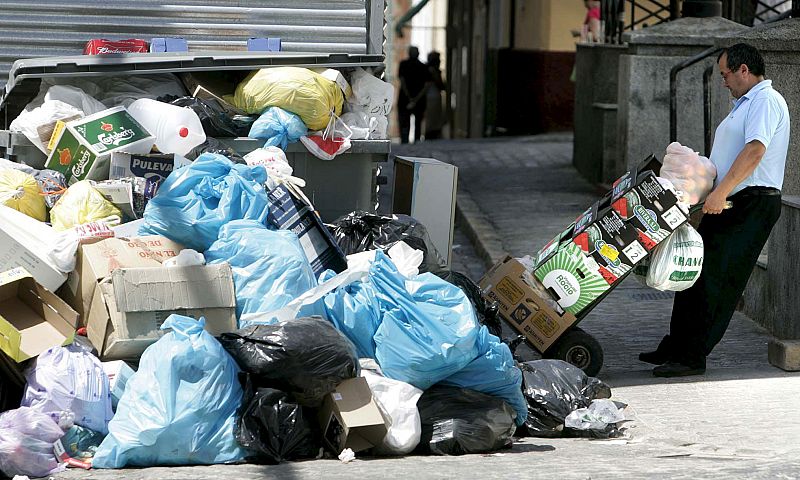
(744,68)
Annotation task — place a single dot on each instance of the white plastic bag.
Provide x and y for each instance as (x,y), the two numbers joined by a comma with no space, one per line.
(73,380)
(398,401)
(692,174)
(186,258)
(59,102)
(26,443)
(329,143)
(677,261)
(597,416)
(371,95)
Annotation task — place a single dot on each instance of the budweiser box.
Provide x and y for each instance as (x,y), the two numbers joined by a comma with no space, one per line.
(82,148)
(101,46)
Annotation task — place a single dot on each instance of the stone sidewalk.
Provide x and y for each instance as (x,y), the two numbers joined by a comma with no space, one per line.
(739,420)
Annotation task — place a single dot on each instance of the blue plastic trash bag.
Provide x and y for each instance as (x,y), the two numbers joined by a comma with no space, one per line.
(26,443)
(269,266)
(428,331)
(194,202)
(355,311)
(493,372)
(278,127)
(180,407)
(70,379)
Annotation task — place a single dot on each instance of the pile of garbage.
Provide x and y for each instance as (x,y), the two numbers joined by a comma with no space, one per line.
(168,300)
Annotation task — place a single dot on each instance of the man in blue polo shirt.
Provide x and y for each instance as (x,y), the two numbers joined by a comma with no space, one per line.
(749,151)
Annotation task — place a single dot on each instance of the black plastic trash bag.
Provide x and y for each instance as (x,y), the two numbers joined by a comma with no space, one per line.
(488,312)
(216,123)
(12,383)
(274,428)
(458,421)
(360,231)
(212,145)
(306,357)
(553,389)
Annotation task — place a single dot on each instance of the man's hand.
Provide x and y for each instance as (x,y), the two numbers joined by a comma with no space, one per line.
(715,202)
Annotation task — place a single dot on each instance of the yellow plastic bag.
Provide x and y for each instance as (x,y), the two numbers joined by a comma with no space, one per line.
(82,203)
(298,90)
(20,191)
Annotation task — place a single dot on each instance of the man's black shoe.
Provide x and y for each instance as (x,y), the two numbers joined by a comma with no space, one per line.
(657,357)
(675,369)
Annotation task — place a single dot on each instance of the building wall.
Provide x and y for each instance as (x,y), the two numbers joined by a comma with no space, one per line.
(546,24)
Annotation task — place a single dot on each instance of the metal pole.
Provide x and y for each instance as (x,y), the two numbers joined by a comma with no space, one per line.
(707,109)
(674,9)
(673,88)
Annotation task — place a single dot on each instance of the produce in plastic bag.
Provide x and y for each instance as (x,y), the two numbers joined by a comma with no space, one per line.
(80,204)
(488,312)
(306,357)
(194,202)
(26,443)
(70,379)
(458,421)
(554,389)
(216,123)
(493,372)
(180,407)
(398,401)
(297,90)
(270,268)
(676,262)
(275,428)
(692,174)
(278,127)
(360,231)
(20,191)
(53,184)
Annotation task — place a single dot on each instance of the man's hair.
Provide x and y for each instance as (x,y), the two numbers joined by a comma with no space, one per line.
(744,54)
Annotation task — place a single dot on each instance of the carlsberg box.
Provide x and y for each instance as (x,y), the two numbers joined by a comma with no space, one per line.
(82,148)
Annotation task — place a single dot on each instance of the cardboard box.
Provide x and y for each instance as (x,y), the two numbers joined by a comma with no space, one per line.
(96,261)
(350,418)
(32,318)
(612,243)
(152,167)
(574,279)
(521,304)
(128,309)
(84,147)
(288,211)
(14,253)
(651,209)
(118,373)
(128,229)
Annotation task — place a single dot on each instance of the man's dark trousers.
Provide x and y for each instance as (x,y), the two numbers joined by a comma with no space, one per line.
(733,241)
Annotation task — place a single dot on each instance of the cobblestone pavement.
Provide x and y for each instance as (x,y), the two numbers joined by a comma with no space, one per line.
(739,420)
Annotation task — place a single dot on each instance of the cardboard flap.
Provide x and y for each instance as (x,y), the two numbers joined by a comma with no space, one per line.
(175,288)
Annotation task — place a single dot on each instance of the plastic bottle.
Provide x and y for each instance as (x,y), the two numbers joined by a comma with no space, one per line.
(177,129)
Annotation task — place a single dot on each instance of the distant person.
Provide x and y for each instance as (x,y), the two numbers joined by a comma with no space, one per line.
(414,79)
(434,114)
(750,147)
(590,32)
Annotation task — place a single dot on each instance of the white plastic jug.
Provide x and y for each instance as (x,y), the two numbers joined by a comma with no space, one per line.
(177,129)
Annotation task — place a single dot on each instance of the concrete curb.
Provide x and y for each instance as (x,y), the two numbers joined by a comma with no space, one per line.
(479,230)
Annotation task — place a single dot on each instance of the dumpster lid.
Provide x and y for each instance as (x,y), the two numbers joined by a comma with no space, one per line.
(25,75)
